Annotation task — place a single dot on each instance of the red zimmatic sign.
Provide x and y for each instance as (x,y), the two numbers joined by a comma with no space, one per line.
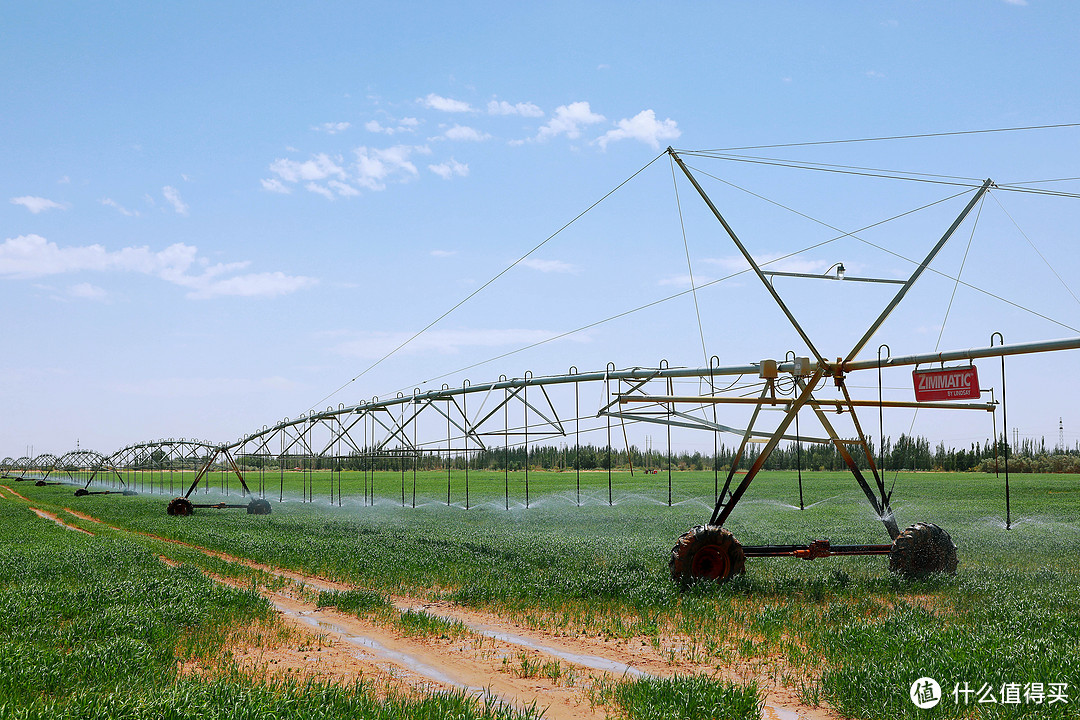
(960,383)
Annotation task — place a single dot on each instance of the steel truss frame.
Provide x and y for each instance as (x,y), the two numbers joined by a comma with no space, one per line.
(473,418)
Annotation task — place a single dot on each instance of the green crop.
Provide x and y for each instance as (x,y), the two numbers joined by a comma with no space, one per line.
(842,630)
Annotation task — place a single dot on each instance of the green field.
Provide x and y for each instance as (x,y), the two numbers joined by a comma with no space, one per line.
(844,631)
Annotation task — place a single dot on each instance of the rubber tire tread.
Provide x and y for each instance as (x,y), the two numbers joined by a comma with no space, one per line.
(698,537)
(921,549)
(259,506)
(180,506)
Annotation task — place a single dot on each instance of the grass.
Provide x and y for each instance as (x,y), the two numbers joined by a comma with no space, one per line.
(97,627)
(680,698)
(843,630)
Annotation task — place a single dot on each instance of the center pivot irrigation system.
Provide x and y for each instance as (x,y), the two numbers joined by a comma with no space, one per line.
(399,433)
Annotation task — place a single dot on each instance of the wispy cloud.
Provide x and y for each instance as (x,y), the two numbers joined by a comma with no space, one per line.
(569,120)
(768,261)
(438,102)
(173,196)
(37,204)
(548,266)
(109,202)
(643,127)
(332,128)
(374,166)
(86,291)
(31,256)
(407,124)
(318,167)
(465,133)
(449,169)
(275,186)
(524,109)
(443,253)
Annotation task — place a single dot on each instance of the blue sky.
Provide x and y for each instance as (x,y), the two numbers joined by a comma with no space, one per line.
(213,215)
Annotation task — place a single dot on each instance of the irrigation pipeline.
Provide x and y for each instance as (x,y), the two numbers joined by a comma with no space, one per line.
(391,428)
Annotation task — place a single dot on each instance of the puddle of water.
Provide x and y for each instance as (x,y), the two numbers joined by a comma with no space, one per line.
(380,650)
(589,661)
(770,712)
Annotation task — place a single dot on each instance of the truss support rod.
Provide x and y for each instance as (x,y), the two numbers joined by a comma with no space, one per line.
(748,256)
(236,469)
(202,471)
(918,271)
(884,512)
(708,399)
(1071,343)
(723,510)
(738,455)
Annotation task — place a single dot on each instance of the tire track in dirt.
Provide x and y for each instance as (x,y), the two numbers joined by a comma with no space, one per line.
(15,494)
(350,647)
(49,516)
(590,654)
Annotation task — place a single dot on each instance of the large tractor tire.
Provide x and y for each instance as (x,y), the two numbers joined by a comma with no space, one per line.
(922,549)
(258,506)
(180,506)
(706,552)
(82,492)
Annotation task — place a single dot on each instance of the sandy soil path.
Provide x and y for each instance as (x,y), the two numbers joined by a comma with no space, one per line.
(49,516)
(353,646)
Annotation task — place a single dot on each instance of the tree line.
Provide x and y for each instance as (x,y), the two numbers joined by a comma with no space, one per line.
(905,453)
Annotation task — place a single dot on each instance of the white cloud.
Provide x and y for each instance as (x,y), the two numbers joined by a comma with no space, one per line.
(64,180)
(30,256)
(568,121)
(275,186)
(374,167)
(444,342)
(437,102)
(874,74)
(37,204)
(343,189)
(768,261)
(86,291)
(465,133)
(443,253)
(524,109)
(404,125)
(320,190)
(109,202)
(449,169)
(643,127)
(1016,2)
(319,167)
(173,196)
(550,265)
(250,285)
(332,128)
